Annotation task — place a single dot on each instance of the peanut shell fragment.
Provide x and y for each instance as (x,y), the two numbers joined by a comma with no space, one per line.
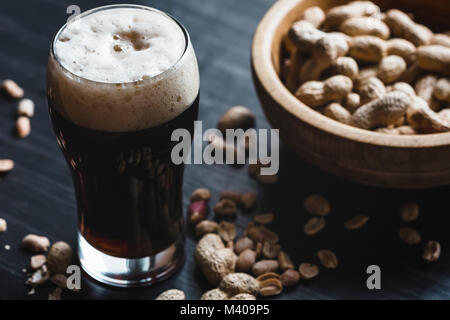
(270,250)
(56,294)
(308,271)
(270,287)
(227,231)
(59,280)
(243,244)
(205,227)
(317,205)
(264,218)
(35,243)
(289,278)
(200,194)
(409,211)
(248,200)
(37,261)
(431,251)
(246,260)
(328,259)
(39,277)
(225,208)
(235,283)
(214,259)
(59,257)
(172,294)
(314,225)
(284,261)
(231,195)
(214,294)
(409,236)
(264,266)
(243,296)
(356,222)
(262,234)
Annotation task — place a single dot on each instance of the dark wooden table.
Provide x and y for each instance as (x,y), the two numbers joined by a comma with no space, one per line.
(37,197)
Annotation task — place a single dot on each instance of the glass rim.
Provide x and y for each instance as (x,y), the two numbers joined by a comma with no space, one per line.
(54,57)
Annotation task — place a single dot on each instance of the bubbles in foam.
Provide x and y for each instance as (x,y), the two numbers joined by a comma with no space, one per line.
(120,45)
(135,70)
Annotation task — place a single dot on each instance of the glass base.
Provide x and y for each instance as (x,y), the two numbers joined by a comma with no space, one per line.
(124,272)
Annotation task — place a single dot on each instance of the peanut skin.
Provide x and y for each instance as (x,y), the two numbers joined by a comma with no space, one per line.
(215,294)
(401,47)
(303,35)
(364,74)
(352,102)
(337,15)
(235,283)
(424,89)
(425,120)
(442,90)
(367,48)
(403,26)
(412,74)
(404,87)
(371,89)
(434,58)
(345,66)
(325,51)
(318,93)
(337,112)
(314,15)
(59,257)
(385,111)
(441,39)
(360,26)
(214,259)
(391,68)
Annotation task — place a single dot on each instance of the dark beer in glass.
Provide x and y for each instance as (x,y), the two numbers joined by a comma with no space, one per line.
(120,80)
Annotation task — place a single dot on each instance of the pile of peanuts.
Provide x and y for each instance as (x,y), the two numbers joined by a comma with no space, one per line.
(45,269)
(255,265)
(50,268)
(373,70)
(250,266)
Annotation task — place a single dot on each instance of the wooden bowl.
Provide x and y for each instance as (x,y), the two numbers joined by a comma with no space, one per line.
(362,156)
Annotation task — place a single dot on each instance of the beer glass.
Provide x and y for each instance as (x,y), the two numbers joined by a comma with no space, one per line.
(120,80)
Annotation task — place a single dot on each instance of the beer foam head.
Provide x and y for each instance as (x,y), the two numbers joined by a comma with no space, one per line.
(122,68)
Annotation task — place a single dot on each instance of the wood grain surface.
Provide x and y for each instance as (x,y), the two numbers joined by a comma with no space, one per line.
(37,197)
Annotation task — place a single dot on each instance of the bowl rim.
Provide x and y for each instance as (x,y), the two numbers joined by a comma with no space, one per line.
(264,69)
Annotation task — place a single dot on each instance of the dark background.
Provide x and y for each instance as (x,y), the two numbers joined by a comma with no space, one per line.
(37,197)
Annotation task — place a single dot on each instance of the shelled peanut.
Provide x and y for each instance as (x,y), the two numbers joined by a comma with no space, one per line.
(374,70)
